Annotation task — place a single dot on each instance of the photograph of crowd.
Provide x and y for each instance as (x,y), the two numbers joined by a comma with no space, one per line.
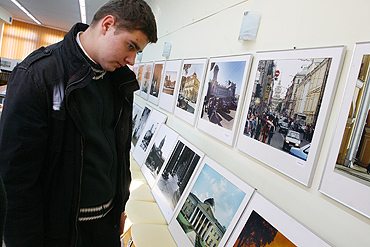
(285,103)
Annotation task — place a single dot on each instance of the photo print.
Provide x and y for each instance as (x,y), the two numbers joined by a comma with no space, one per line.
(222,95)
(259,232)
(169,85)
(159,152)
(155,120)
(346,176)
(212,206)
(139,76)
(147,76)
(155,83)
(191,84)
(140,125)
(264,224)
(178,170)
(136,114)
(286,108)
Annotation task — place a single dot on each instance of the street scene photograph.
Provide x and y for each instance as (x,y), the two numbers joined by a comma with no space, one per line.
(225,80)
(285,103)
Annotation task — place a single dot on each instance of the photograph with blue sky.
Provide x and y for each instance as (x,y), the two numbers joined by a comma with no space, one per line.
(230,71)
(227,197)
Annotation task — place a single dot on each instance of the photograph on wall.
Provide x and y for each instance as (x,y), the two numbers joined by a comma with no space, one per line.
(211,208)
(136,114)
(189,91)
(178,170)
(159,152)
(264,224)
(347,172)
(285,113)
(139,76)
(152,126)
(145,81)
(222,96)
(155,83)
(140,125)
(170,83)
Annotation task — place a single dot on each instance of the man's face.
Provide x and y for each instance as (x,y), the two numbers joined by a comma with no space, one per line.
(119,47)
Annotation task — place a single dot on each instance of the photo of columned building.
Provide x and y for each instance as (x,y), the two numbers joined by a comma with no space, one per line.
(354,154)
(200,218)
(190,88)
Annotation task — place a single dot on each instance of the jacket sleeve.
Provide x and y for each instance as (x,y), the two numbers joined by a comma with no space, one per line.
(23,142)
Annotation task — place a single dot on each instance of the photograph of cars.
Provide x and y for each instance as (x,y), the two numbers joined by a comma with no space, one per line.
(302,152)
(283,127)
(292,139)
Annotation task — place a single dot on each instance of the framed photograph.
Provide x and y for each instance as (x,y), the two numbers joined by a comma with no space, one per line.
(288,102)
(264,224)
(136,114)
(145,81)
(154,121)
(222,96)
(139,76)
(346,177)
(155,83)
(208,213)
(139,126)
(178,171)
(169,85)
(159,152)
(190,89)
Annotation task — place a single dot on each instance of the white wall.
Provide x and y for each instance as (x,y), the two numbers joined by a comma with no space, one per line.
(207,28)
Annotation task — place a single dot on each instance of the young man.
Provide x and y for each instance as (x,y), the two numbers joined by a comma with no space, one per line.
(66,129)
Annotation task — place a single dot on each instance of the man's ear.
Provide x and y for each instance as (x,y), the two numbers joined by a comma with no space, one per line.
(107,23)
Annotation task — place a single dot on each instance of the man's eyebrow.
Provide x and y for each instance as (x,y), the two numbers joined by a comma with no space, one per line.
(137,46)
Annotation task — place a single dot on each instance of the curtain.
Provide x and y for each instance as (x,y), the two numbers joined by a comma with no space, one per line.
(21,38)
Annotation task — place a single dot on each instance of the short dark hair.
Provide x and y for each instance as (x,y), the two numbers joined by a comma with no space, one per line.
(130,15)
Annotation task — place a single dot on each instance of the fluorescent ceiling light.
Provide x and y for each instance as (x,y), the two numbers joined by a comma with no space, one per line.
(26,11)
(82,10)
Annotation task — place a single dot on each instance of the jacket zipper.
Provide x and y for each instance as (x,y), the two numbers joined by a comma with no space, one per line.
(80,179)
(79,193)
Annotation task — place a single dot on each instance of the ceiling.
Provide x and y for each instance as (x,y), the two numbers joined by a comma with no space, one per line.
(59,14)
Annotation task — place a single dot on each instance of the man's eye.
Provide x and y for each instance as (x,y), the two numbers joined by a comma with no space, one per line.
(131,47)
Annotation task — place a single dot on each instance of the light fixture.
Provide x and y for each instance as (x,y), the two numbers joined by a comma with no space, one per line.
(82,10)
(26,11)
